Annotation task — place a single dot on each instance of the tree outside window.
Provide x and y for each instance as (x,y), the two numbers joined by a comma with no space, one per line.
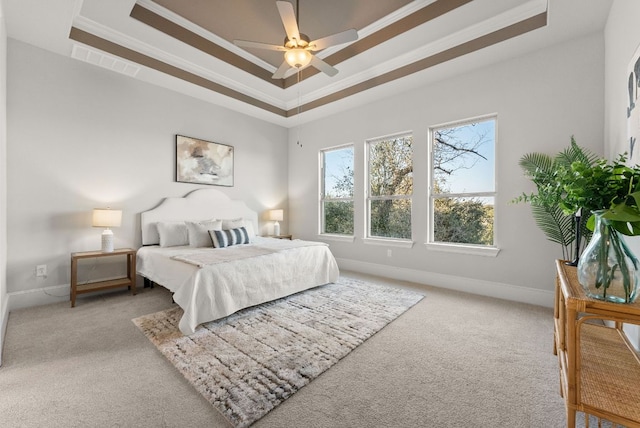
(390,186)
(337,191)
(463,183)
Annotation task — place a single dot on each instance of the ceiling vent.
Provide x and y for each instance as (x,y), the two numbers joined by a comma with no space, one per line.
(105,61)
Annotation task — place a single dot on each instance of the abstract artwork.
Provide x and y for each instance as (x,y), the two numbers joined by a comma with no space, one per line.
(203,162)
(633,109)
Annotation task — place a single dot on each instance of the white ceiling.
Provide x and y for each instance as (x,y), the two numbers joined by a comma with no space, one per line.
(48,23)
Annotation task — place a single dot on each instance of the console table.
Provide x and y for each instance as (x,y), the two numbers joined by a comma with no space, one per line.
(599,368)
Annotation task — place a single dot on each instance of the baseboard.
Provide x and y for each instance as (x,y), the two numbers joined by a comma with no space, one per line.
(4,316)
(38,296)
(514,293)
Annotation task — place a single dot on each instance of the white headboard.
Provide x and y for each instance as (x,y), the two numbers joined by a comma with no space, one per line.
(201,204)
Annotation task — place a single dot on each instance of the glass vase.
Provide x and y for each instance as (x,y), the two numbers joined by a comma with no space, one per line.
(607,269)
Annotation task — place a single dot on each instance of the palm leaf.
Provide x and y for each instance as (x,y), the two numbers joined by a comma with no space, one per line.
(535,163)
(557,226)
(575,153)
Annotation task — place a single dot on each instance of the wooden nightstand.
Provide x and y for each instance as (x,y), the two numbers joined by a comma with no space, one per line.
(280,236)
(128,281)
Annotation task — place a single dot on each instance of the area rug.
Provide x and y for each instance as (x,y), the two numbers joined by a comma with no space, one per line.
(249,362)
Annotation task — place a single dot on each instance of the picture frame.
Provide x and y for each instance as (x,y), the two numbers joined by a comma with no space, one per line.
(633,108)
(203,162)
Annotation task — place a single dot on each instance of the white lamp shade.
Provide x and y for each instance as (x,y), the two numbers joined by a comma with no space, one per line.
(276,215)
(104,217)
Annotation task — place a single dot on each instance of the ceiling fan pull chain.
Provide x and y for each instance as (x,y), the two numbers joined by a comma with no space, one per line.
(298,130)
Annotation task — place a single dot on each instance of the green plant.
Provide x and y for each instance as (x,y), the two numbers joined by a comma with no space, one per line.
(556,220)
(576,181)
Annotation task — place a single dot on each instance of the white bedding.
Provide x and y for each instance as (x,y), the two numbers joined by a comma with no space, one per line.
(219,289)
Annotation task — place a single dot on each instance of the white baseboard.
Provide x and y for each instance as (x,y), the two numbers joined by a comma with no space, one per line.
(514,293)
(38,296)
(4,319)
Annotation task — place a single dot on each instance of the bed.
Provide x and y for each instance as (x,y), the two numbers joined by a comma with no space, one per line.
(210,283)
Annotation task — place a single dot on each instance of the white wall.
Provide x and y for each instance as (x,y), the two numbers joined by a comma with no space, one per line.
(622,38)
(4,312)
(541,100)
(81,137)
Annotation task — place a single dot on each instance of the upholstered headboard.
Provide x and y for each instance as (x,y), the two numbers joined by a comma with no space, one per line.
(201,204)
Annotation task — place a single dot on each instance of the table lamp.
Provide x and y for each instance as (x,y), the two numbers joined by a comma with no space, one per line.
(106,217)
(276,216)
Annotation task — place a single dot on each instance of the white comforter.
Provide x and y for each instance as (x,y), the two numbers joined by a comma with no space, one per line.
(276,268)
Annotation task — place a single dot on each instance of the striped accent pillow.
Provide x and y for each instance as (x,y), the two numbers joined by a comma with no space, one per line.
(228,237)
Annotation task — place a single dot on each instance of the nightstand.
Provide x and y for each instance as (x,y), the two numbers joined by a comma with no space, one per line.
(280,236)
(128,281)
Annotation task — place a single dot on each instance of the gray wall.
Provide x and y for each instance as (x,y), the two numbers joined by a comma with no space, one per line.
(541,99)
(4,313)
(81,137)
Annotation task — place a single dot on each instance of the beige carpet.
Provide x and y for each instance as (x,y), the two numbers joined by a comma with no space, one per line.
(250,362)
(452,360)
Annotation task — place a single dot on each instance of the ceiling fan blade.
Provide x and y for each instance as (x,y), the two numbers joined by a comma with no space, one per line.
(288,19)
(258,45)
(323,66)
(280,72)
(335,39)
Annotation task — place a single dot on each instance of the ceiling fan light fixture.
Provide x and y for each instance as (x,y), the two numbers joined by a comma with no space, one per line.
(297,57)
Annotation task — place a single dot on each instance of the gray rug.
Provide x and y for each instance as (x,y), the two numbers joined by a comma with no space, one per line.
(251,361)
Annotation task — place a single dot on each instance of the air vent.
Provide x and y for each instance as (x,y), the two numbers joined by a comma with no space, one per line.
(105,61)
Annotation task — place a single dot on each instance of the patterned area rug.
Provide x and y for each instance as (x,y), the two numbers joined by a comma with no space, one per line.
(249,362)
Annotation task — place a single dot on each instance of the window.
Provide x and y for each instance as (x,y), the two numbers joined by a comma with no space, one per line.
(336,193)
(462,183)
(390,187)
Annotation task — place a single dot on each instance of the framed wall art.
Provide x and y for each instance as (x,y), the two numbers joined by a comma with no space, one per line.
(203,162)
(633,108)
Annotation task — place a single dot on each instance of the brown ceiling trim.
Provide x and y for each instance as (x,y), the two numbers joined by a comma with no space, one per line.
(495,37)
(189,37)
(419,17)
(126,53)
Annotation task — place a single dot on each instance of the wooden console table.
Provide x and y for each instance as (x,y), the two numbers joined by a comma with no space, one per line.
(599,368)
(128,281)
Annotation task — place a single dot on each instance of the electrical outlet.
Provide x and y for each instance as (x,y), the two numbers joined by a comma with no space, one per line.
(41,270)
(388,253)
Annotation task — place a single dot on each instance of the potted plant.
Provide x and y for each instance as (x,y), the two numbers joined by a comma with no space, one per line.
(556,221)
(608,196)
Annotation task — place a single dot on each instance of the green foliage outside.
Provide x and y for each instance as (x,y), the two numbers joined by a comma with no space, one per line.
(391,175)
(462,220)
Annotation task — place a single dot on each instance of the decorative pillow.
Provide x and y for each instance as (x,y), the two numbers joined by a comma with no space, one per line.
(172,233)
(199,232)
(228,237)
(237,223)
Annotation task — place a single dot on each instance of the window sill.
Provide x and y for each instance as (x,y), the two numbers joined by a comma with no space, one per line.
(389,242)
(337,238)
(474,250)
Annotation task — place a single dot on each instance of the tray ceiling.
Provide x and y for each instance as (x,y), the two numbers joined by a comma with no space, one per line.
(188,46)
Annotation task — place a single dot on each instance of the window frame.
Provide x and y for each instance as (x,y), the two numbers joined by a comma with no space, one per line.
(323,199)
(381,240)
(464,248)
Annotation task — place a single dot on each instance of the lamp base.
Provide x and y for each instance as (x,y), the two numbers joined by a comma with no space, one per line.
(276,228)
(107,241)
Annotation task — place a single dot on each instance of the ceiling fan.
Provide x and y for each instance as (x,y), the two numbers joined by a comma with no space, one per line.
(297,46)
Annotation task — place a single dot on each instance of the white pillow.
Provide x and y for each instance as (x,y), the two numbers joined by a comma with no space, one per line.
(237,223)
(172,233)
(199,232)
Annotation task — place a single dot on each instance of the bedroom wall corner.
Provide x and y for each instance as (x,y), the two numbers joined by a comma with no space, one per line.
(4,311)
(622,39)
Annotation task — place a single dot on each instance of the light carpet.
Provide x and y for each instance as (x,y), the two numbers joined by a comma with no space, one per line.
(249,362)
